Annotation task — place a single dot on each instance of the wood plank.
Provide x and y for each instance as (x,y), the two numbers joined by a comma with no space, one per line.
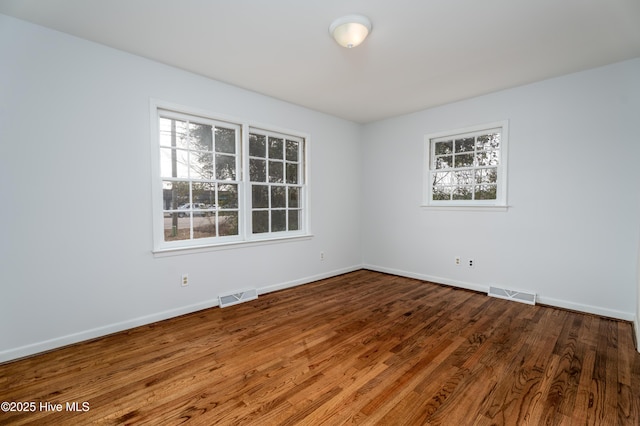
(359,348)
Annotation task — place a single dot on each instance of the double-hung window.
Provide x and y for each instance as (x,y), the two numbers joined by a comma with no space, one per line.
(467,167)
(199,168)
(276,175)
(220,181)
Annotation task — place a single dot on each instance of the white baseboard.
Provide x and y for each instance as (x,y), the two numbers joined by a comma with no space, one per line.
(58,342)
(81,336)
(431,278)
(636,328)
(306,280)
(596,310)
(565,304)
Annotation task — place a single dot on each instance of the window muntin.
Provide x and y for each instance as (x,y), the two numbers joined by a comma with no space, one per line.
(276,180)
(205,178)
(467,167)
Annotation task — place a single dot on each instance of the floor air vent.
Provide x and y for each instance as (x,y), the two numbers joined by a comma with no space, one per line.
(237,297)
(516,296)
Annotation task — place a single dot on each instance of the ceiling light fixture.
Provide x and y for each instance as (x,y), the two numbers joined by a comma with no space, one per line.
(351,30)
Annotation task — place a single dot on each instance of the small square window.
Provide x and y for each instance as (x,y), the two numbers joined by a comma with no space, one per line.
(467,167)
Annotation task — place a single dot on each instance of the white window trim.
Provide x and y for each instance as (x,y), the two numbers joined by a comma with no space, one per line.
(245,236)
(499,204)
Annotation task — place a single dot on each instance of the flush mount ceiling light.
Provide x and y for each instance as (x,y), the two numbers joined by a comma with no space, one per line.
(351,30)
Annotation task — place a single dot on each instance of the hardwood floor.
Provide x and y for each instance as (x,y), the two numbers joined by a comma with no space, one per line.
(361,348)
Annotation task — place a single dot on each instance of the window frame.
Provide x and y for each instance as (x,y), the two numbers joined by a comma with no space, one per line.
(500,202)
(243,127)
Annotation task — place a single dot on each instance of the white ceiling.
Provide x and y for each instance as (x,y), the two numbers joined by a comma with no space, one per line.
(420,53)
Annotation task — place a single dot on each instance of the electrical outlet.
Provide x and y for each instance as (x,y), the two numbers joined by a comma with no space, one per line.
(471,263)
(185,280)
(322,256)
(457,261)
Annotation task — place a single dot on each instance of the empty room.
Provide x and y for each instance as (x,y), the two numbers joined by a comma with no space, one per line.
(320,213)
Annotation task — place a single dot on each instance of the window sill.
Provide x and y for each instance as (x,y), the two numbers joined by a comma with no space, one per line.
(466,208)
(179,251)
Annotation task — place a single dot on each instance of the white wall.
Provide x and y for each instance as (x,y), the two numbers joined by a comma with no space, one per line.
(571,234)
(75,185)
(636,323)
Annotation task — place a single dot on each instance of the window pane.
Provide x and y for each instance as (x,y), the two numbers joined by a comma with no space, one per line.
(228,196)
(225,167)
(292,150)
(278,220)
(443,148)
(485,192)
(278,197)
(205,194)
(173,133)
(487,158)
(465,144)
(276,172)
(260,196)
(444,162)
(201,137)
(176,228)
(441,193)
(462,193)
(294,220)
(294,195)
(165,131)
(201,165)
(174,163)
(276,148)
(487,175)
(292,173)
(258,170)
(257,145)
(464,177)
(204,226)
(228,223)
(174,194)
(225,140)
(442,178)
(260,222)
(488,142)
(464,160)
(182,134)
